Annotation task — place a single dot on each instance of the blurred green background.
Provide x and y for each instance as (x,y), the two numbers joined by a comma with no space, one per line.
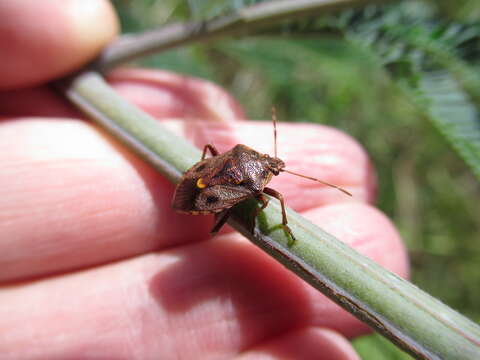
(338,70)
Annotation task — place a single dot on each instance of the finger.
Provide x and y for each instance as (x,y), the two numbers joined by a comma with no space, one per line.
(219,297)
(42,40)
(308,343)
(369,232)
(168,95)
(372,234)
(160,93)
(313,150)
(69,197)
(37,101)
(319,152)
(82,200)
(38,242)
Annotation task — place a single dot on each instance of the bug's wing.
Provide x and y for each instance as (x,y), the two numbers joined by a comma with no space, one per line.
(187,190)
(185,194)
(190,199)
(219,197)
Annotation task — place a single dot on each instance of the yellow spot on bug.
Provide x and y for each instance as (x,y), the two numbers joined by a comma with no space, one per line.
(201,184)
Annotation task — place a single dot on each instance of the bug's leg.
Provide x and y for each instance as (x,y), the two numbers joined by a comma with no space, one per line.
(264,200)
(277,195)
(212,148)
(220,220)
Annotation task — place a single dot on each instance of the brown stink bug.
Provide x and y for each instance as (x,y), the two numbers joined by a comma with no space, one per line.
(216,184)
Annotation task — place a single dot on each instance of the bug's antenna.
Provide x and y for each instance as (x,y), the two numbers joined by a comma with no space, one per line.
(320,181)
(274,118)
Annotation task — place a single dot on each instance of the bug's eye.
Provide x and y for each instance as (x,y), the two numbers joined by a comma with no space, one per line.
(211,199)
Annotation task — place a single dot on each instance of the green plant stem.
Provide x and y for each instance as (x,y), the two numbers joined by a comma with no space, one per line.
(416,322)
(246,21)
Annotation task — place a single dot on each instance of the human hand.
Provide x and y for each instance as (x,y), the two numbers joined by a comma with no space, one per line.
(94,263)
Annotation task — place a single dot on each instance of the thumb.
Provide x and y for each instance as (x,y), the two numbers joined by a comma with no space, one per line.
(43,40)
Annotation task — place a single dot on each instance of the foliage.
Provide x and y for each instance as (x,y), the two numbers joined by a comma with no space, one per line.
(376,347)
(377,73)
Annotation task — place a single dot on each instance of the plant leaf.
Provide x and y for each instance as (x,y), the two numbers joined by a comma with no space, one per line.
(453,113)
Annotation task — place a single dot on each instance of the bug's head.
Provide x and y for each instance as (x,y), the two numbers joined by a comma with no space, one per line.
(275,165)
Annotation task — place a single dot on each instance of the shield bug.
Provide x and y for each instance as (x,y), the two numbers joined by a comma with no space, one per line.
(214,185)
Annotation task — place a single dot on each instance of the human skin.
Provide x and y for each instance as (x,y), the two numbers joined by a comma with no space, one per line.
(93,261)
